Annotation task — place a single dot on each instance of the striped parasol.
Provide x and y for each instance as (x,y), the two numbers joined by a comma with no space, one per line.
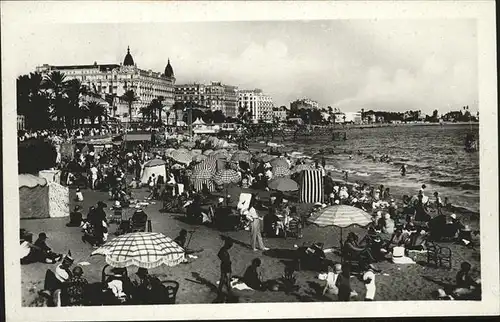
(340,216)
(209,163)
(283,184)
(280,163)
(226,176)
(202,174)
(143,249)
(201,177)
(182,156)
(281,172)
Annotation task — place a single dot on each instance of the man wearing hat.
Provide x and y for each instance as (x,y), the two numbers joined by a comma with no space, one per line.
(45,253)
(75,217)
(55,280)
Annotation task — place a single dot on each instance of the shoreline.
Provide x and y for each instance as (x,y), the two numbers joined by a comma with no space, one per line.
(471,215)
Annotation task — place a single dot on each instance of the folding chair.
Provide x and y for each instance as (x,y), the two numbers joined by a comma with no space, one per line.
(432,253)
(293,229)
(444,256)
(170,288)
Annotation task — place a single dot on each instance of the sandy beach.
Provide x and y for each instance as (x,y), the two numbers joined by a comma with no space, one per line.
(199,277)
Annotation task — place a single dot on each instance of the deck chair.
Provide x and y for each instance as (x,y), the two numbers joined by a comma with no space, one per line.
(444,257)
(294,228)
(117,217)
(432,254)
(170,288)
(139,225)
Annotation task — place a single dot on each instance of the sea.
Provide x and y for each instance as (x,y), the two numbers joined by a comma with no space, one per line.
(434,155)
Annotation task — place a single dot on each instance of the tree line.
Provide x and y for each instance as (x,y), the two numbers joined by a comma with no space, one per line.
(53,101)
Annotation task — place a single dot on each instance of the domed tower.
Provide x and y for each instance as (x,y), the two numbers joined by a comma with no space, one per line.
(169,71)
(128,61)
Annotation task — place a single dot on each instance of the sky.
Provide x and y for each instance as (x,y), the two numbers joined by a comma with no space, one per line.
(392,65)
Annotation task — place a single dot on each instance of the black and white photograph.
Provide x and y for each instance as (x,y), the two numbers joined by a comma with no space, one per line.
(206,159)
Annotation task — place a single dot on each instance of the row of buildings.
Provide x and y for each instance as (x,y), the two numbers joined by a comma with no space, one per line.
(112,81)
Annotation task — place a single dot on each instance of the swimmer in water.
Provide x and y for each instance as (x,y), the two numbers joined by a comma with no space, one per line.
(403,170)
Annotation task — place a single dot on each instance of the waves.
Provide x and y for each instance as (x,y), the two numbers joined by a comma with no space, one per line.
(453,183)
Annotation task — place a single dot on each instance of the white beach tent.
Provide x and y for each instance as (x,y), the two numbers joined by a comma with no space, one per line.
(41,199)
(156,167)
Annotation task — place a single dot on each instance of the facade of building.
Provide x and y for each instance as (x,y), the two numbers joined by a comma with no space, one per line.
(304,103)
(259,104)
(353,117)
(113,80)
(280,113)
(214,96)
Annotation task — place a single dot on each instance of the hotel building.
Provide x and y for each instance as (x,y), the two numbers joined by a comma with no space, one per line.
(113,80)
(258,103)
(214,96)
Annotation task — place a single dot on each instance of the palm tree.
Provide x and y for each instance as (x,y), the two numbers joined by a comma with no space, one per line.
(56,85)
(110,99)
(147,113)
(160,107)
(95,110)
(156,105)
(74,91)
(129,97)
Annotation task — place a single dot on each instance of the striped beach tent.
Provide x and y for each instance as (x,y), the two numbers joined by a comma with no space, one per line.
(311,186)
(201,177)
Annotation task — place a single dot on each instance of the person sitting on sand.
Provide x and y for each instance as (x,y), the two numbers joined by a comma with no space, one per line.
(351,249)
(387,224)
(397,239)
(74,290)
(465,285)
(55,280)
(252,277)
(79,195)
(181,239)
(417,240)
(44,252)
(75,217)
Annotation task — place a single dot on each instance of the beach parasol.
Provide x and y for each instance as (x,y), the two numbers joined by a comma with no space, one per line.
(208,152)
(144,249)
(168,152)
(182,156)
(209,163)
(154,163)
(201,177)
(196,152)
(266,158)
(280,163)
(340,216)
(244,156)
(281,172)
(202,174)
(226,176)
(283,184)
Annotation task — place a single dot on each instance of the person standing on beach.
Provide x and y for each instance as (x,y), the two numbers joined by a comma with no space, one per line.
(438,203)
(225,270)
(403,170)
(255,219)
